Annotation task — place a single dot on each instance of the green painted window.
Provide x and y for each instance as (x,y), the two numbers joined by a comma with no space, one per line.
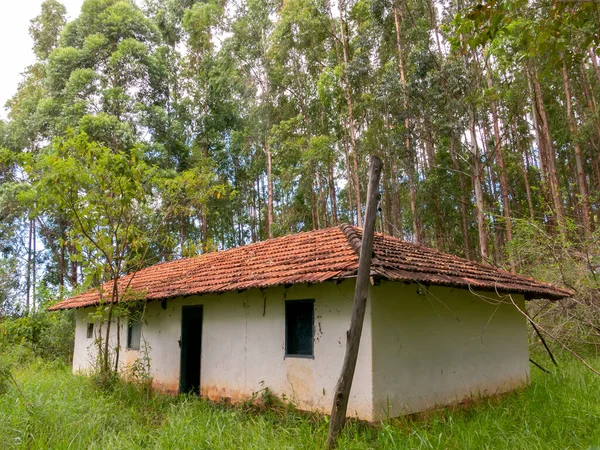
(299,328)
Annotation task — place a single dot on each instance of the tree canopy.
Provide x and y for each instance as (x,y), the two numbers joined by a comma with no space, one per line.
(166,128)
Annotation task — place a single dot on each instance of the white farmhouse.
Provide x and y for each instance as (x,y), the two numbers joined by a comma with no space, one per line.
(438,328)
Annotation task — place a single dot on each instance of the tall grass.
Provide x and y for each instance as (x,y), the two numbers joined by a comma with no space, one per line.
(57,410)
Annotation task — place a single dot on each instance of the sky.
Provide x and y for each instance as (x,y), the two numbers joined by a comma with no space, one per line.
(15,42)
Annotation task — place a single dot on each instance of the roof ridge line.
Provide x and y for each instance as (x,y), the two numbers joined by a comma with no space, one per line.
(356,243)
(352,236)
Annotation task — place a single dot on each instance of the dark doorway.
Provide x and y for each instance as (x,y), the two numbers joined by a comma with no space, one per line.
(191,348)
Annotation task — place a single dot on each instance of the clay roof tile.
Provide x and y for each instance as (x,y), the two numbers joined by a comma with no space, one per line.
(312,257)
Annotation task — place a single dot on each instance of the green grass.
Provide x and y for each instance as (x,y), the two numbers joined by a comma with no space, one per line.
(58,410)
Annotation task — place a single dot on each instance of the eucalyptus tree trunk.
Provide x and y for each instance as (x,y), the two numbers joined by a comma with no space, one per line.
(476,176)
(332,195)
(540,141)
(409,150)
(435,27)
(204,221)
(463,196)
(350,186)
(500,159)
(314,204)
(394,216)
(350,182)
(33,267)
(28,286)
(592,107)
(524,171)
(352,124)
(387,224)
(550,155)
(477,181)
(269,222)
(594,63)
(581,182)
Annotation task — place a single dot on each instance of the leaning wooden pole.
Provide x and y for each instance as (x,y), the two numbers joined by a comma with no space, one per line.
(344,384)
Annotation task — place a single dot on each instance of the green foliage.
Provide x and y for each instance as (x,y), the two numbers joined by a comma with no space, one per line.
(45,28)
(104,193)
(46,335)
(559,410)
(5,374)
(575,321)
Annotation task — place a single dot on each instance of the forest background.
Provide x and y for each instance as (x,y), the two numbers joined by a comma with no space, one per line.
(153,130)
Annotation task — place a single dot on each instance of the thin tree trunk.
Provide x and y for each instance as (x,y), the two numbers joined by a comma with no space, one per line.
(524,171)
(409,150)
(500,159)
(387,225)
(396,205)
(114,298)
(595,139)
(463,196)
(359,306)
(581,182)
(324,219)
(594,64)
(477,181)
(588,92)
(34,278)
(350,186)
(61,267)
(350,119)
(28,293)
(539,138)
(181,234)
(332,195)
(259,210)
(252,217)
(314,207)
(204,220)
(118,347)
(540,143)
(269,223)
(434,22)
(550,155)
(394,216)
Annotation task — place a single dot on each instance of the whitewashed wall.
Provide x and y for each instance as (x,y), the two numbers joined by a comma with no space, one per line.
(86,351)
(439,345)
(421,348)
(243,346)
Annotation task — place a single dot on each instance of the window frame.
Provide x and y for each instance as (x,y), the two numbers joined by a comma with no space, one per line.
(90,330)
(310,301)
(130,324)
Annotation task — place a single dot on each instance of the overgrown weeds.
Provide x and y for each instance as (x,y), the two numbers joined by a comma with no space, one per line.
(44,334)
(558,410)
(575,264)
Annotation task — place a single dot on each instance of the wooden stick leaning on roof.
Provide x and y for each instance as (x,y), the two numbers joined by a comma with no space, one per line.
(344,384)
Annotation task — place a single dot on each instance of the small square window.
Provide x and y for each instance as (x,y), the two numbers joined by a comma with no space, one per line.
(90,330)
(134,334)
(299,329)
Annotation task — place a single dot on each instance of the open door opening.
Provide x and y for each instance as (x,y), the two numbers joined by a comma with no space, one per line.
(191,348)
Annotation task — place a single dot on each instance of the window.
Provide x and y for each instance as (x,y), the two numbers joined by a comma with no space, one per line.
(299,317)
(90,330)
(134,333)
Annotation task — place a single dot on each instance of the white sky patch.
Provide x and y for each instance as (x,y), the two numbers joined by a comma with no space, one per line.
(16,45)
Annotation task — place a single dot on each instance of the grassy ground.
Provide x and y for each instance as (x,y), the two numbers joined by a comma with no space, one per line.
(57,410)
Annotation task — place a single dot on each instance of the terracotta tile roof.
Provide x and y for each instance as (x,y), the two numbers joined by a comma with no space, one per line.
(398,260)
(313,257)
